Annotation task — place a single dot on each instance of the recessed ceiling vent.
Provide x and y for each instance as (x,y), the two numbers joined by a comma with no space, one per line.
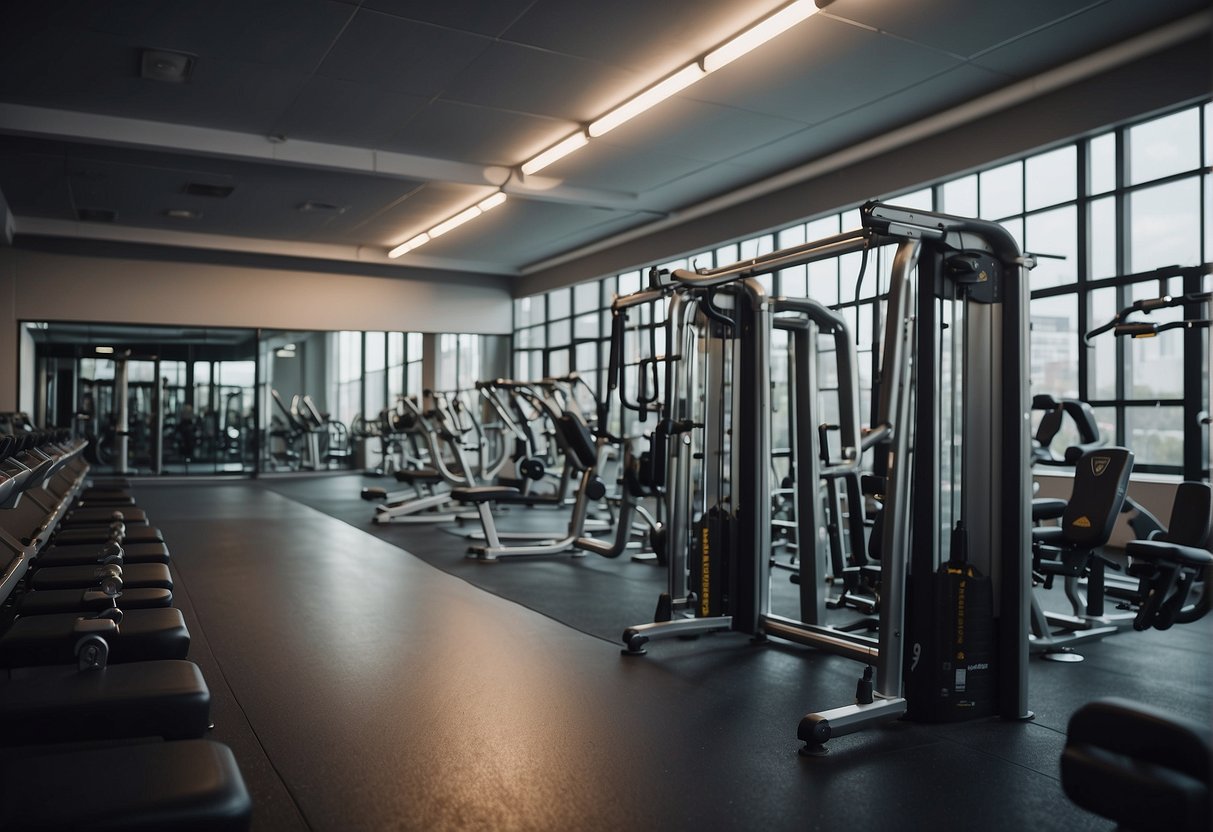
(165,65)
(203,189)
(97,214)
(321,207)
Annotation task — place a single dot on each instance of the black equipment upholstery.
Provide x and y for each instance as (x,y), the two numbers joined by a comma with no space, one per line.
(1138,766)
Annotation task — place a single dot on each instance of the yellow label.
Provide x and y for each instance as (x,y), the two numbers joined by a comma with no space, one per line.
(1082,522)
(705,576)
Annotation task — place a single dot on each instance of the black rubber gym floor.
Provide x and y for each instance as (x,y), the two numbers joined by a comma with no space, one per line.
(361,688)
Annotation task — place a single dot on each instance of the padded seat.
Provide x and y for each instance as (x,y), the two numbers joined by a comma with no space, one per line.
(88,553)
(1138,766)
(49,601)
(142,699)
(103,533)
(484,494)
(143,635)
(186,786)
(132,516)
(1156,551)
(134,576)
(1047,508)
(411,475)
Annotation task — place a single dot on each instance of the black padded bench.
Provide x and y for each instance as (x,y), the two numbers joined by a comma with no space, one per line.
(62,703)
(185,786)
(142,635)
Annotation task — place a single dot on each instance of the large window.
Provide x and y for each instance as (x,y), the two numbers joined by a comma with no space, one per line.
(1110,219)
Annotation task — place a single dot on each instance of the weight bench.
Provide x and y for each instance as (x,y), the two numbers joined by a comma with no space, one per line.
(186,786)
(61,703)
(111,636)
(82,554)
(1138,766)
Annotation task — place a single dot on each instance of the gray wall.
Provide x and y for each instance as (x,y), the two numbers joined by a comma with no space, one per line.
(36,285)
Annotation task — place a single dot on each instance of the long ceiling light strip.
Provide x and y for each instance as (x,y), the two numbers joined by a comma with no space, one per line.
(467,214)
(726,53)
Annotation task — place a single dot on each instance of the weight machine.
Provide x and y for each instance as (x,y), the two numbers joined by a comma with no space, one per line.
(949,446)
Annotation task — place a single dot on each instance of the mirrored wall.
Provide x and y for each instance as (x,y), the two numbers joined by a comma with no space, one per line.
(172,401)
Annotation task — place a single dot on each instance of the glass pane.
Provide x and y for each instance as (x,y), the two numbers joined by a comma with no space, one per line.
(1054,346)
(395,349)
(1051,177)
(1156,364)
(1164,225)
(1105,419)
(585,297)
(629,283)
(533,337)
(376,353)
(1102,238)
(850,219)
(416,346)
(1101,163)
(447,368)
(1208,253)
(1155,434)
(792,281)
(793,236)
(923,199)
(1101,354)
(767,281)
(960,197)
(558,333)
(414,378)
(758,246)
(558,304)
(824,227)
(727,255)
(1164,146)
(1002,191)
(702,260)
(558,362)
(674,264)
(823,281)
(586,356)
(585,326)
(848,273)
(1054,233)
(528,311)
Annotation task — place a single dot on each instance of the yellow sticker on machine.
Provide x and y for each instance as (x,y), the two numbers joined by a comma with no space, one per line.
(1083,522)
(705,575)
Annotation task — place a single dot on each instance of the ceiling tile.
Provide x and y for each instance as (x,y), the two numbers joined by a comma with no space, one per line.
(474,16)
(700,130)
(819,69)
(527,80)
(343,112)
(1092,30)
(623,169)
(955,26)
(290,34)
(98,72)
(638,35)
(386,52)
(871,120)
(471,133)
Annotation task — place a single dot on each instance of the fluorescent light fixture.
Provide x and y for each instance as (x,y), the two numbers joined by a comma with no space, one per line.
(756,36)
(654,95)
(105,350)
(418,241)
(486,204)
(492,202)
(455,221)
(552,154)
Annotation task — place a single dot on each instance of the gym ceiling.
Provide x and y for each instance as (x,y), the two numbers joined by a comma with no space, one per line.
(337,130)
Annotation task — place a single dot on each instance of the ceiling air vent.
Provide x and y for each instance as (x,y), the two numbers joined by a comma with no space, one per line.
(321,207)
(97,214)
(202,189)
(165,65)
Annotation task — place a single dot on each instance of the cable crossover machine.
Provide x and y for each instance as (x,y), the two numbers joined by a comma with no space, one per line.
(944,459)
